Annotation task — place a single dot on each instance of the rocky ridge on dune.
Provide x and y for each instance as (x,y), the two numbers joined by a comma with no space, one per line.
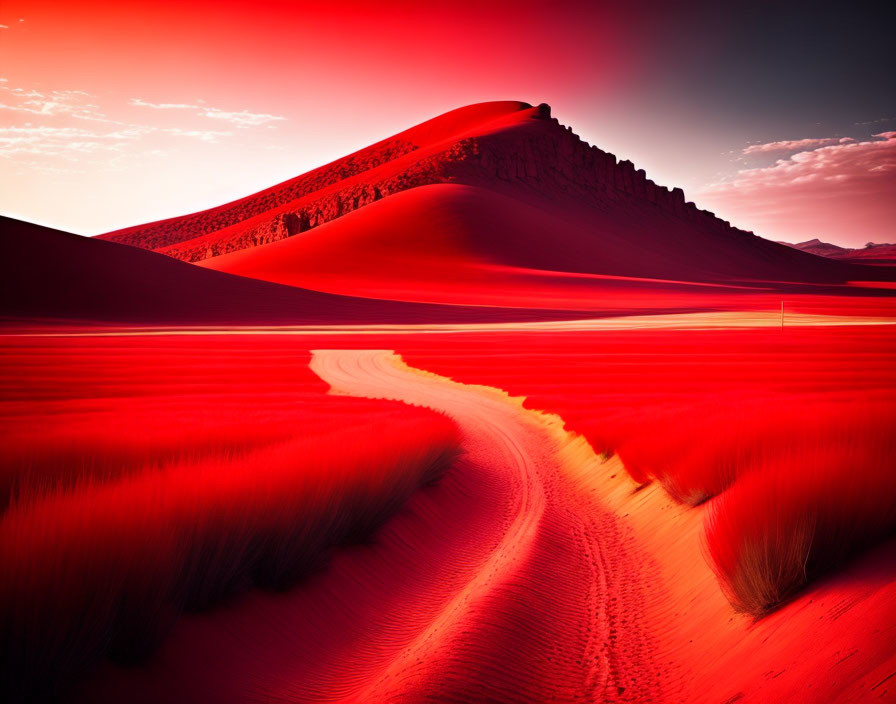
(535,153)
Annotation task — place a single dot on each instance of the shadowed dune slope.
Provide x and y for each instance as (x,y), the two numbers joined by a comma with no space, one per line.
(461,243)
(56,276)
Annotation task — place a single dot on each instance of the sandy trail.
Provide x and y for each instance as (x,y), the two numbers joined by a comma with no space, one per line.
(533,571)
(507,581)
(552,612)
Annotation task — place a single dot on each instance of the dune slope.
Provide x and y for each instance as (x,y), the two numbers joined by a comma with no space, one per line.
(454,243)
(54,276)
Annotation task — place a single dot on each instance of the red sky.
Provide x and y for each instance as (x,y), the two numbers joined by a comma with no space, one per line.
(113,114)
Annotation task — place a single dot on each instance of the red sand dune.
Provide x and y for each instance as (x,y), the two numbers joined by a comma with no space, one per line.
(491,206)
(358,172)
(602,216)
(495,204)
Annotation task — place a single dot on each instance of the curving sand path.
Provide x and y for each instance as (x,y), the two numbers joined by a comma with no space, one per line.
(533,571)
(552,611)
(597,590)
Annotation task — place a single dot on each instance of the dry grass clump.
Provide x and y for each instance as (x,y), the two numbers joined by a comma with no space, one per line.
(777,529)
(698,453)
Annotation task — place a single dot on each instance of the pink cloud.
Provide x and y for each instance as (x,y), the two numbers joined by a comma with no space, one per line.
(795,145)
(843,192)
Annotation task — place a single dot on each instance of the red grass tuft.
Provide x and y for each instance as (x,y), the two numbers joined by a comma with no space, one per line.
(698,453)
(799,518)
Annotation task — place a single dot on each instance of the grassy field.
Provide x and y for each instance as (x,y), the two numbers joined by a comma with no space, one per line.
(145,478)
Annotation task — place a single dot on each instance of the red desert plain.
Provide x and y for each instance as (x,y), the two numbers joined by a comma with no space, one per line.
(478,413)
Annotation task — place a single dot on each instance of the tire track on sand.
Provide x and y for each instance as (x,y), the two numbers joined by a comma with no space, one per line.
(552,613)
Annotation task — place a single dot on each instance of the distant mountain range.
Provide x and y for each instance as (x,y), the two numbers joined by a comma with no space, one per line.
(871,253)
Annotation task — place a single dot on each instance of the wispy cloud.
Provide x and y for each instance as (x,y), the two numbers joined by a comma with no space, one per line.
(69,142)
(73,103)
(879,121)
(242,118)
(64,142)
(837,191)
(203,135)
(795,145)
(845,160)
(49,138)
(163,106)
